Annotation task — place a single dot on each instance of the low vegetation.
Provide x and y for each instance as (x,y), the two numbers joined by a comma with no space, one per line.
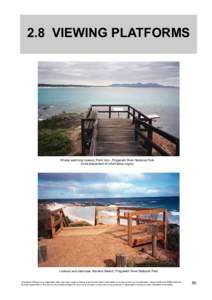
(54,134)
(79,224)
(173,237)
(152,264)
(61,121)
(53,143)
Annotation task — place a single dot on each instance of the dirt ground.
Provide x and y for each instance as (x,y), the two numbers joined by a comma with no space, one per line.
(88,247)
(164,143)
(75,137)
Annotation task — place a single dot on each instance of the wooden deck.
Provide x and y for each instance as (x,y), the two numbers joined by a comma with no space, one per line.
(117,136)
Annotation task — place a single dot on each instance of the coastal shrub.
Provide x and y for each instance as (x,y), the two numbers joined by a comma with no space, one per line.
(152,264)
(173,242)
(64,120)
(46,234)
(68,220)
(53,143)
(79,223)
(173,238)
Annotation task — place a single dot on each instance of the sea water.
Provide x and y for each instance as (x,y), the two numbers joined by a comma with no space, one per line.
(161,101)
(85,208)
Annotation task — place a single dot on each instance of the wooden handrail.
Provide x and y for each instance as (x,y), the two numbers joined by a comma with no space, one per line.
(149,138)
(164,134)
(61,221)
(131,215)
(147,211)
(92,150)
(135,214)
(98,216)
(106,207)
(110,111)
(130,208)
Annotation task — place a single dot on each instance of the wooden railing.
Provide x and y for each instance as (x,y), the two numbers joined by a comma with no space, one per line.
(58,221)
(89,132)
(143,224)
(113,109)
(139,220)
(140,223)
(98,216)
(143,128)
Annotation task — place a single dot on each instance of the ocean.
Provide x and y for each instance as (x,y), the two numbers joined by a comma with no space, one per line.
(87,206)
(161,101)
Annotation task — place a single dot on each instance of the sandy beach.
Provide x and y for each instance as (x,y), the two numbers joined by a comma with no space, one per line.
(87,213)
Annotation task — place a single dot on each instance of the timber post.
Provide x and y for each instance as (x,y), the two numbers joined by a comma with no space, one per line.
(136,128)
(61,219)
(154,231)
(42,254)
(177,148)
(109,111)
(96,215)
(154,246)
(83,136)
(52,224)
(121,260)
(149,140)
(129,217)
(118,216)
(165,222)
(133,121)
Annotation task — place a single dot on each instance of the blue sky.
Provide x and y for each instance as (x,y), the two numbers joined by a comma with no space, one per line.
(106,73)
(103,185)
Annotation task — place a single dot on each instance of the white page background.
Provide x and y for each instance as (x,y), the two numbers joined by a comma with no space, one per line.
(20,164)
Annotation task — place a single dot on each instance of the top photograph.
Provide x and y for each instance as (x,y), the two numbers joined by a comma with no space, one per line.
(108,108)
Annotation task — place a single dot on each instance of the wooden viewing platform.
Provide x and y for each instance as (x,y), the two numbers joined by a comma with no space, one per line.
(114,130)
(141,225)
(120,237)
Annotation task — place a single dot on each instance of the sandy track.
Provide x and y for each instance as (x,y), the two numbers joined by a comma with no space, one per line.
(80,250)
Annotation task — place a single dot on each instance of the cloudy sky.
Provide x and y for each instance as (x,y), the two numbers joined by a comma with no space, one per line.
(103,185)
(105,73)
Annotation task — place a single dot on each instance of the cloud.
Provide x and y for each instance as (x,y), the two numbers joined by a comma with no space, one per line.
(104,73)
(102,185)
(116,189)
(152,191)
(125,177)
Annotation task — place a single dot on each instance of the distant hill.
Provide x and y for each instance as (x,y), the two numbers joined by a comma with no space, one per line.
(130,85)
(141,85)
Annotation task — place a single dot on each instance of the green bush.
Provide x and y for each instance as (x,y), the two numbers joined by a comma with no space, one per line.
(173,241)
(157,264)
(64,120)
(53,143)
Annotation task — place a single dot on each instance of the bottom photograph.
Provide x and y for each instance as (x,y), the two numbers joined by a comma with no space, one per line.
(108,220)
